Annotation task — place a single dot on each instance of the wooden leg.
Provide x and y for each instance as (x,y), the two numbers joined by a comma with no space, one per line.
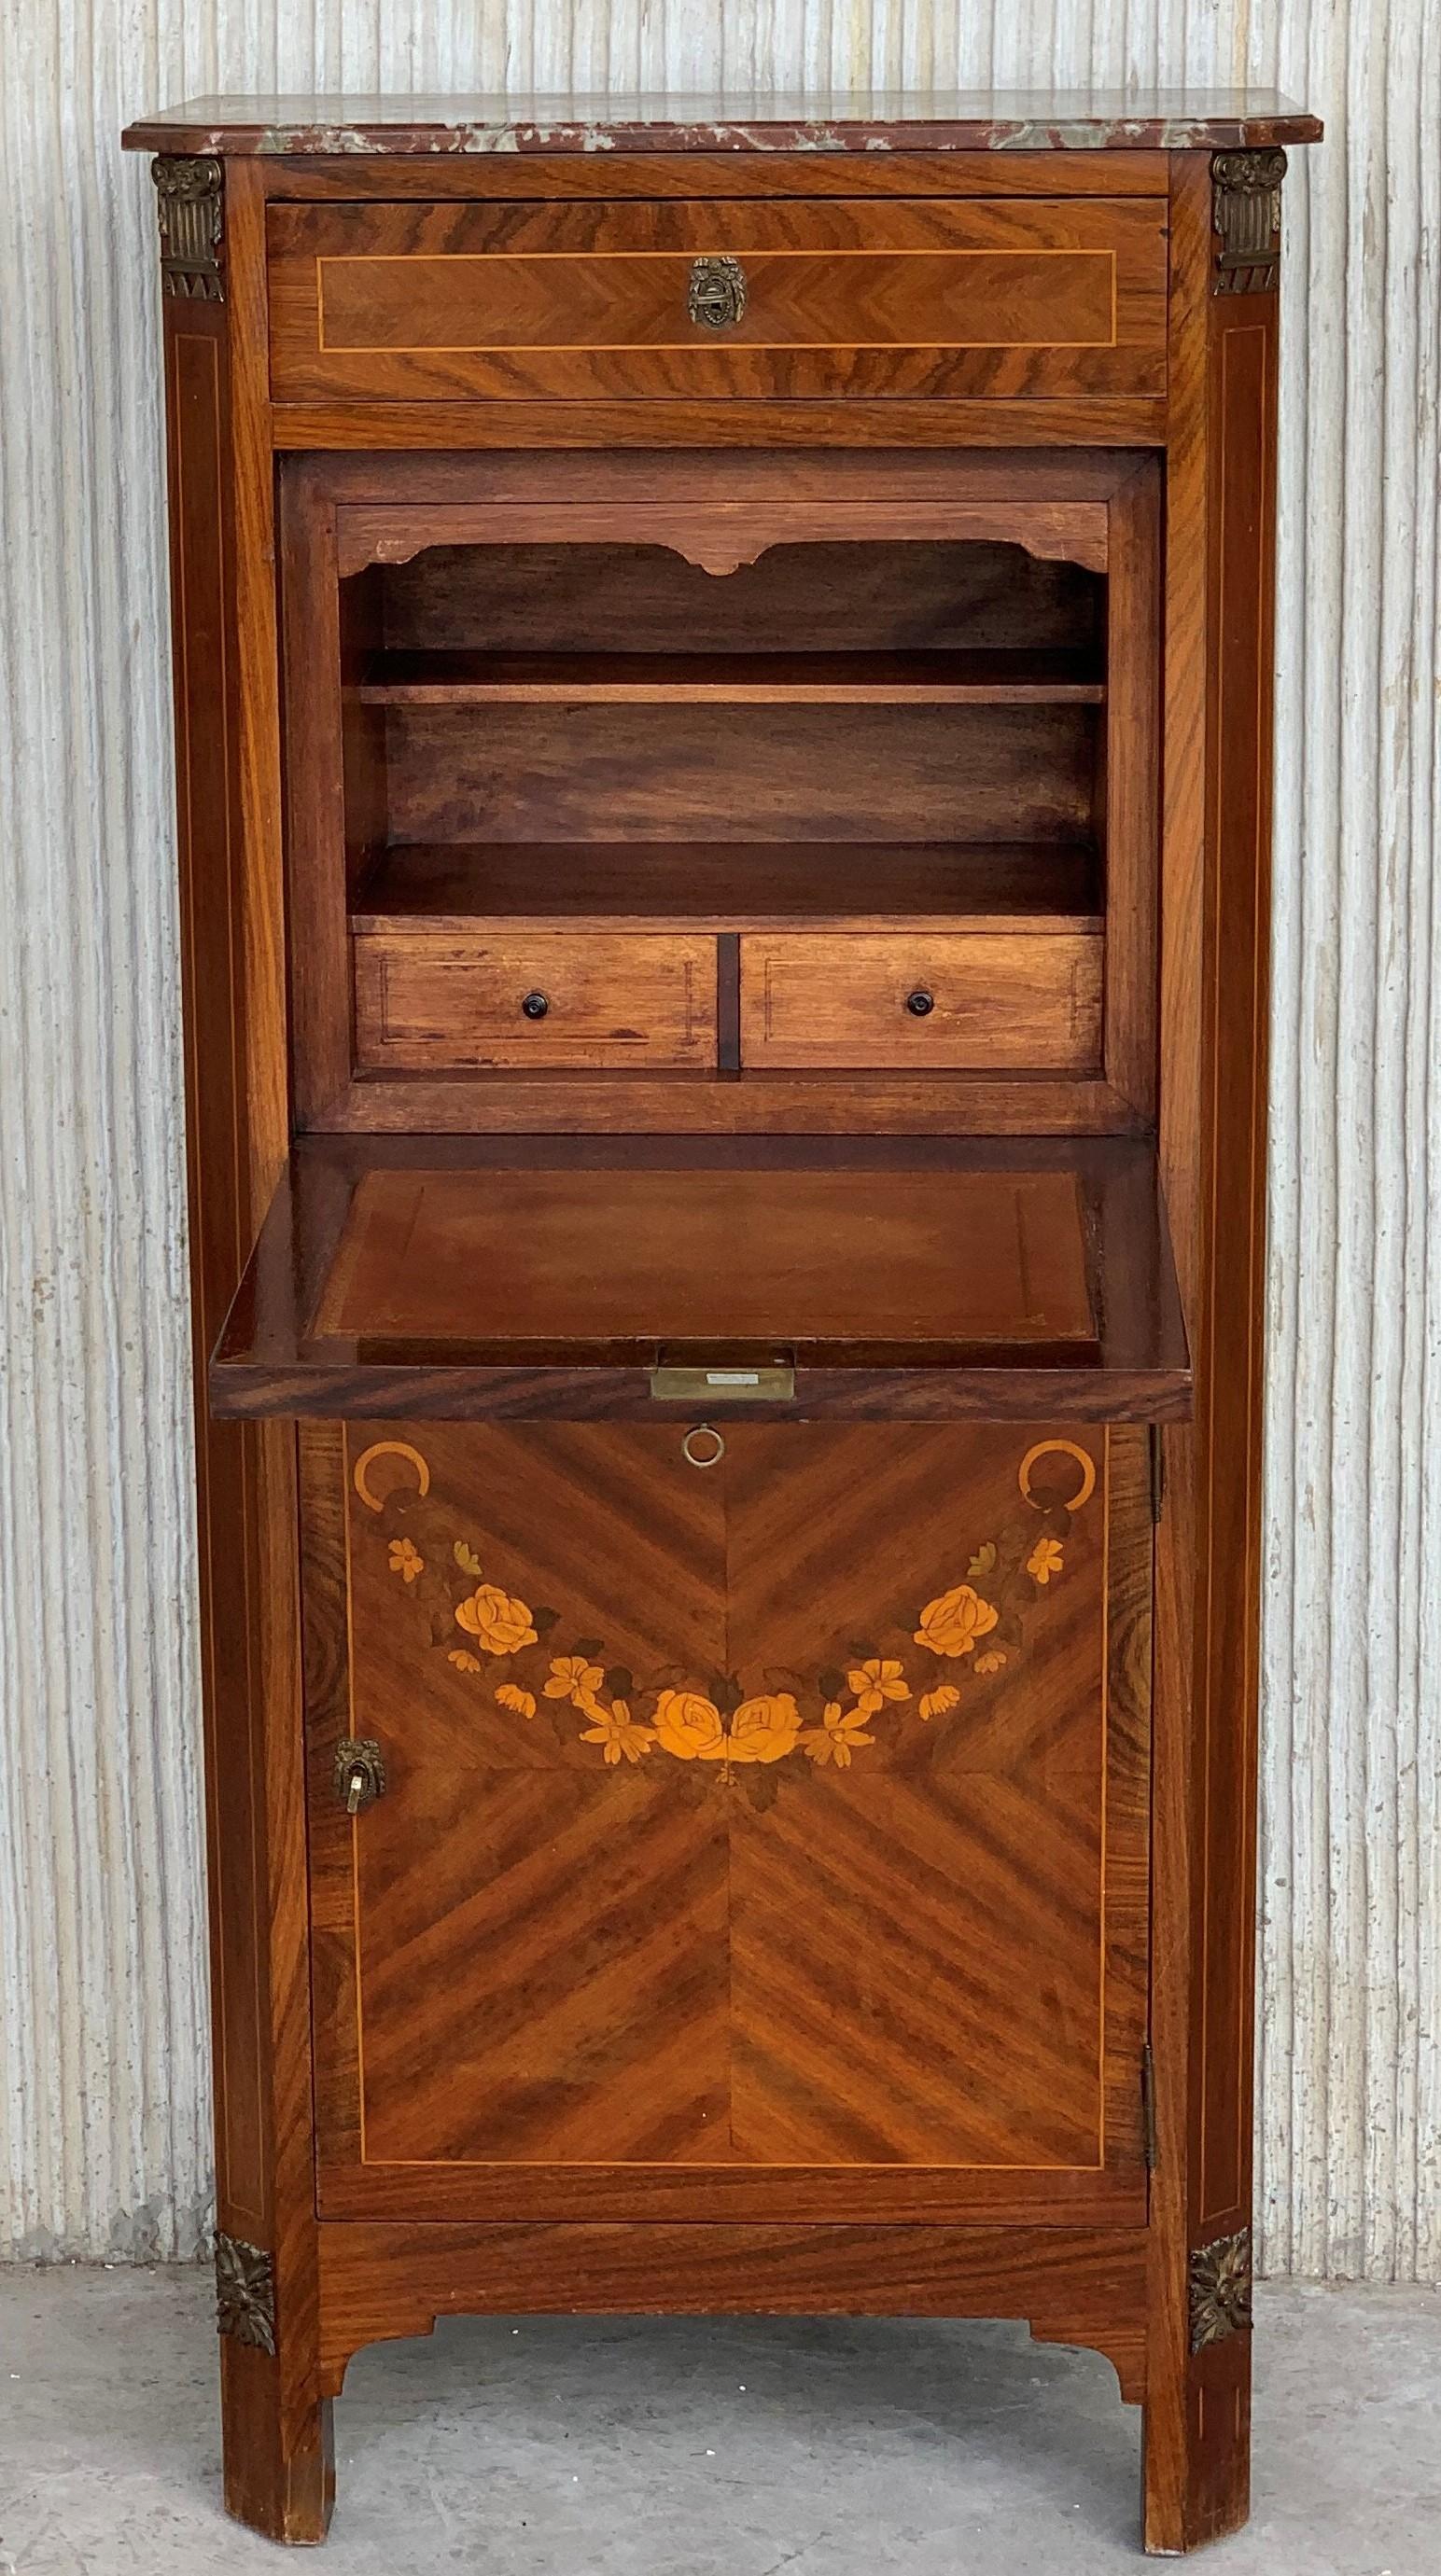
(279,2457)
(1197,2418)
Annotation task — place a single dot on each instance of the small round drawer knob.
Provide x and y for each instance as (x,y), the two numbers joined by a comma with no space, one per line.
(920,1003)
(535,1006)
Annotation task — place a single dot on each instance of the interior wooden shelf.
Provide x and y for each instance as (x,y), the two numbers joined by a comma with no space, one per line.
(922,1279)
(654,885)
(955,678)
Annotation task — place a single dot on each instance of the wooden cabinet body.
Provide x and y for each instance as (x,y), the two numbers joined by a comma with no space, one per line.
(722,713)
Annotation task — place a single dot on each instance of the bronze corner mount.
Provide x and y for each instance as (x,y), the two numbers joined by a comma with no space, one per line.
(1220,2289)
(1246,217)
(190,196)
(245,2292)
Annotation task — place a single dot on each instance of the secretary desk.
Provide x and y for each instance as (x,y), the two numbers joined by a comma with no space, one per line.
(723,681)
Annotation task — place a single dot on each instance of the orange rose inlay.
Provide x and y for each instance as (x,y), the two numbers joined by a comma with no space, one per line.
(689,1726)
(764,1730)
(951,1624)
(501,1623)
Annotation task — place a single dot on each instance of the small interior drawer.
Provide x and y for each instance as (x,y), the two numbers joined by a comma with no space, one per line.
(978,297)
(425,1001)
(960,1001)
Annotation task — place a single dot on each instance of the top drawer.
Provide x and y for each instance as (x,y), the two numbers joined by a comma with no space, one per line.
(768,301)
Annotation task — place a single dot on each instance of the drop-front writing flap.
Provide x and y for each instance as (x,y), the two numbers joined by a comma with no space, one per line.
(926,1280)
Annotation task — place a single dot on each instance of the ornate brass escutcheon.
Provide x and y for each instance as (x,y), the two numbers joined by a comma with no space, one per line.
(717,292)
(359,1773)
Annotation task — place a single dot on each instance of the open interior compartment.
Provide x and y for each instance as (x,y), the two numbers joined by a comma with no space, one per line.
(833,732)
(707,799)
(899,740)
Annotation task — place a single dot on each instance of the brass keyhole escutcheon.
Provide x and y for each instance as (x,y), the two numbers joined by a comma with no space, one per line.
(709,1457)
(359,1773)
(717,296)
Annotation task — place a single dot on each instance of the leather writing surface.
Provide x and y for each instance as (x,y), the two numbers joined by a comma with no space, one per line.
(578,1257)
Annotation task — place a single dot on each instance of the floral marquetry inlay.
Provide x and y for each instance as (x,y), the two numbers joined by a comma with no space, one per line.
(524,1656)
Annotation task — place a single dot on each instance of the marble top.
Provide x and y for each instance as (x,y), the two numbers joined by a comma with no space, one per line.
(853,121)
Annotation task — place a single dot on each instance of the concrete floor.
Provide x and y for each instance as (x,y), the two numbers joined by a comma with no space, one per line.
(573,2448)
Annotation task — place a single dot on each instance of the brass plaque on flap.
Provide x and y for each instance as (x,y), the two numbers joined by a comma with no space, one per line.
(719,1384)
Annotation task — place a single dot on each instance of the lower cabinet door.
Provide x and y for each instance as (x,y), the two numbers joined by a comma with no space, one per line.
(742,1824)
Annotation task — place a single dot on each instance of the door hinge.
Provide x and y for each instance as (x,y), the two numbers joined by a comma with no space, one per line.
(1158,1473)
(1148,2107)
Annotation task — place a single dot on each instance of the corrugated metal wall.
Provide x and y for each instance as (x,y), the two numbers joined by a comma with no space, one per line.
(103,2112)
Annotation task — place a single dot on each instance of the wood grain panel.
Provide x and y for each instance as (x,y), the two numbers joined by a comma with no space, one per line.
(345,178)
(583,301)
(366,430)
(1214,1025)
(380,2281)
(1127,815)
(801,773)
(991,1003)
(428,999)
(639,171)
(779,1106)
(794,599)
(608,886)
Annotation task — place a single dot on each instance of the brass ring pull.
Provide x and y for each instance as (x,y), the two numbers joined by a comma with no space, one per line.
(703,1431)
(717,295)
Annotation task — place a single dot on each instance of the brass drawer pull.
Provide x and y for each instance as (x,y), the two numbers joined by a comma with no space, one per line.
(717,292)
(703,1431)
